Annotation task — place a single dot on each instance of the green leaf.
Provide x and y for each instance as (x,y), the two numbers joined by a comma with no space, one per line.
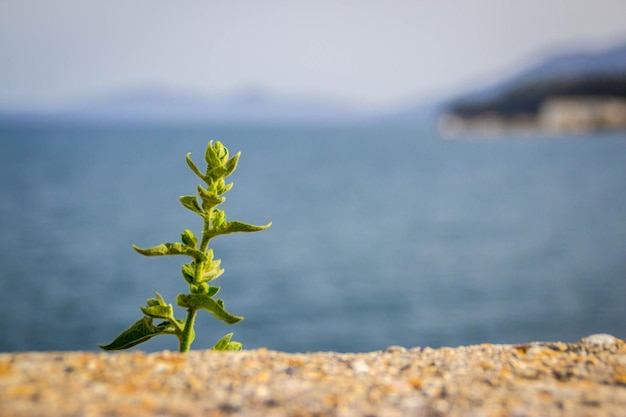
(176,248)
(193,167)
(236,227)
(204,301)
(142,330)
(188,272)
(189,239)
(216,154)
(191,202)
(231,165)
(182,300)
(158,312)
(216,173)
(209,198)
(158,308)
(209,155)
(159,301)
(201,288)
(222,187)
(213,291)
(213,271)
(218,218)
(225,344)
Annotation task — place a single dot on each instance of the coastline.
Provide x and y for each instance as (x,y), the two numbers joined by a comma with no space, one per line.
(586,378)
(558,116)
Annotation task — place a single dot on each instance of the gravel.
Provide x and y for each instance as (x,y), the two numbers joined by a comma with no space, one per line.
(544,379)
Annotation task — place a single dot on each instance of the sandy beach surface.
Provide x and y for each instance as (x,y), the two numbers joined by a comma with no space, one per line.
(587,378)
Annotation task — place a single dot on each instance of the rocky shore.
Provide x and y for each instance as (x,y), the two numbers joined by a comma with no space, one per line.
(557,116)
(587,378)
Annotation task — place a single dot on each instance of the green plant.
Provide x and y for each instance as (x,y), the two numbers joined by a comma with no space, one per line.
(202,270)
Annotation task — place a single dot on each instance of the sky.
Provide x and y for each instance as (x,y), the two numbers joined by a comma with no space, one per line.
(369,53)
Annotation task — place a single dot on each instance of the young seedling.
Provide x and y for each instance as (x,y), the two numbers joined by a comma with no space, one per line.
(202,269)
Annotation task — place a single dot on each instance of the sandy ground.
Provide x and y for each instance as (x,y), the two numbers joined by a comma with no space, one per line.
(544,379)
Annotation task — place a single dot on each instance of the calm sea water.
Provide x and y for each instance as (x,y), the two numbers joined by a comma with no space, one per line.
(381,236)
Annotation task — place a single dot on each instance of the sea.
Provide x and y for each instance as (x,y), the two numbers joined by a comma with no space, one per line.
(381,235)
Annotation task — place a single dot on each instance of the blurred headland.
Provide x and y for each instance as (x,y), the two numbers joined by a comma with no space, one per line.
(572,93)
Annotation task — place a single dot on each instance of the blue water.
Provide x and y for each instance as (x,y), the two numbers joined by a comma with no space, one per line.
(381,236)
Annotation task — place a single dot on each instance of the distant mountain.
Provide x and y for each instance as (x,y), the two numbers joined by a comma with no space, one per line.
(609,63)
(575,74)
(148,105)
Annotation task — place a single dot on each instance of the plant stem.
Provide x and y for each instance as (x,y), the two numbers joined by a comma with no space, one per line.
(188,333)
(206,229)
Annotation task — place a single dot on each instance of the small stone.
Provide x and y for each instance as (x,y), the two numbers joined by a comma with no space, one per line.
(360,367)
(600,339)
(395,349)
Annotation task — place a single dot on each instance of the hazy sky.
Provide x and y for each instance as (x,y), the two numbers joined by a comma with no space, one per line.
(368,52)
